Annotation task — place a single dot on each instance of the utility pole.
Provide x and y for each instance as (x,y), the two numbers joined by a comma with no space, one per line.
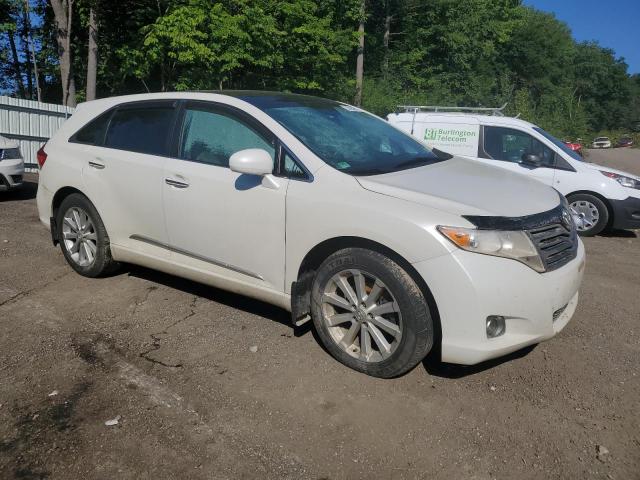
(360,58)
(385,38)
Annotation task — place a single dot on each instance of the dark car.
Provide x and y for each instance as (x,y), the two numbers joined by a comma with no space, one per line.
(624,142)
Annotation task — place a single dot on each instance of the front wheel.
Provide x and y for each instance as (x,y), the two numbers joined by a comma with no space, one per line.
(370,314)
(590,213)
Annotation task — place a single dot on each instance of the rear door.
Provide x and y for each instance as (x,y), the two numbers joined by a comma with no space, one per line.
(504,147)
(124,176)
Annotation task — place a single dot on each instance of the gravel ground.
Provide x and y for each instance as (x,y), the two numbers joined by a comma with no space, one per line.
(174,363)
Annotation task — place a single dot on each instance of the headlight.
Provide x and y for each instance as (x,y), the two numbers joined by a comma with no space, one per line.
(622,180)
(508,244)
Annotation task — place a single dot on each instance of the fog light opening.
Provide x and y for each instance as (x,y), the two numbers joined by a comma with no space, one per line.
(495,326)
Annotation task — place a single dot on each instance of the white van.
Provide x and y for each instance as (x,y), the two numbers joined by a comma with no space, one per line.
(599,196)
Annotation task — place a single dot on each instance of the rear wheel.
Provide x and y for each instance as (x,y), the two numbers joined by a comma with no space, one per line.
(590,213)
(83,237)
(370,314)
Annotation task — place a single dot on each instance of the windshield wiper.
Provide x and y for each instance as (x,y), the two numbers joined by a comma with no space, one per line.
(366,173)
(441,155)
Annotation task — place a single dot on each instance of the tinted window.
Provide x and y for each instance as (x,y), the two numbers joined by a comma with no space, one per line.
(510,145)
(93,132)
(144,129)
(210,136)
(345,137)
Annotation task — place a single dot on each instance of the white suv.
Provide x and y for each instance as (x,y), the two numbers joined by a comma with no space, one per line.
(601,142)
(322,209)
(11,165)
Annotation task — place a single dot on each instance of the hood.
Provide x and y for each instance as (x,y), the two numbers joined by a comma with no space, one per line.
(7,143)
(595,166)
(466,187)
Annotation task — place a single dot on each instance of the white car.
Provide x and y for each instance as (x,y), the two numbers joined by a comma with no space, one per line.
(601,142)
(322,209)
(599,196)
(11,165)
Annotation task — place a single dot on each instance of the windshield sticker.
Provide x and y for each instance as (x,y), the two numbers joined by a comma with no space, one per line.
(342,165)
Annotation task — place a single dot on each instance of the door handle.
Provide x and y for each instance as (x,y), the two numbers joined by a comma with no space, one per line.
(96,165)
(175,183)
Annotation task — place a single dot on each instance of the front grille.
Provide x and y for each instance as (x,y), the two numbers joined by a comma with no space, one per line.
(556,243)
(552,232)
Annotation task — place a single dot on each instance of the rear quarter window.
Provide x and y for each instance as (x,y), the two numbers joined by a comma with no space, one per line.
(93,132)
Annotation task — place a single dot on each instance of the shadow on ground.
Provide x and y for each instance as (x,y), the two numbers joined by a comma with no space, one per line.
(233,300)
(434,366)
(26,192)
(619,234)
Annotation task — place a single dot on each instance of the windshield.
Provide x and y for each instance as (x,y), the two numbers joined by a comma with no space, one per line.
(347,138)
(560,144)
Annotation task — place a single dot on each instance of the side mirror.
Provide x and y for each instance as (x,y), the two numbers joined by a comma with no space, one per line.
(252,161)
(531,160)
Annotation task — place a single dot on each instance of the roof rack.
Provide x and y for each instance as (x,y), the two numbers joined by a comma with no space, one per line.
(496,111)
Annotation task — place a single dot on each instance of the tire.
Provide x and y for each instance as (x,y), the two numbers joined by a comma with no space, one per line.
(94,259)
(592,211)
(393,306)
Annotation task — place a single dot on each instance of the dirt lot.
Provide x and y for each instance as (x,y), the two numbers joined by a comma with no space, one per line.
(171,360)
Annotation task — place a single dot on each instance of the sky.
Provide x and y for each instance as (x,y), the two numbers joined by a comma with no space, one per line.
(613,24)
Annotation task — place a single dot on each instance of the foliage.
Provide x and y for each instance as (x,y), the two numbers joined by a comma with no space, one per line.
(447,52)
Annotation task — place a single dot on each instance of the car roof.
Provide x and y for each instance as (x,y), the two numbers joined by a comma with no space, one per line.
(255,97)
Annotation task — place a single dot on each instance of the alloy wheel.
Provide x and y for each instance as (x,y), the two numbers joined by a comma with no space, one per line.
(362,315)
(79,237)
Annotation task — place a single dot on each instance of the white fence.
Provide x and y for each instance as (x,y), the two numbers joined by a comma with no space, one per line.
(31,123)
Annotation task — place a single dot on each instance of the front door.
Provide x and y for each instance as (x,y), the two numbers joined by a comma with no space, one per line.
(228,223)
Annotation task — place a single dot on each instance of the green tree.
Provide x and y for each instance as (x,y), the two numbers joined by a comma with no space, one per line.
(478,52)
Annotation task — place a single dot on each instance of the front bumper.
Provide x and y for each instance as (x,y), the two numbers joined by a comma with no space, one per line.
(468,287)
(626,213)
(11,174)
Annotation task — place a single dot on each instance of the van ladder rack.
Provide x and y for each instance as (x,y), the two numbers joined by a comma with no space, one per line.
(497,111)
(415,109)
